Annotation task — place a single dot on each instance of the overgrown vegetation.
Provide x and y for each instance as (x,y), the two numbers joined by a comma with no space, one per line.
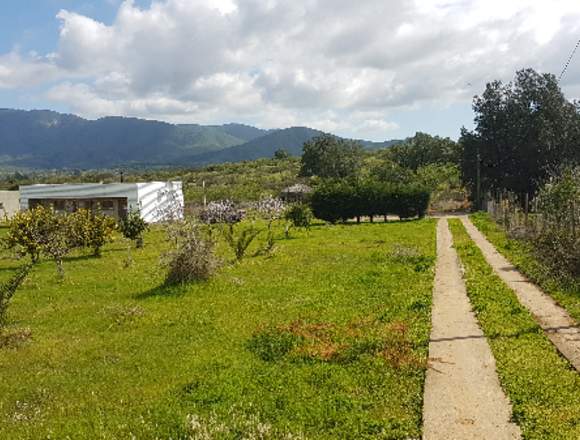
(522,253)
(543,388)
(41,231)
(192,256)
(164,362)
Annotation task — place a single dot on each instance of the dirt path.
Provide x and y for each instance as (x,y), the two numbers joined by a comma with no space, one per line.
(463,397)
(559,326)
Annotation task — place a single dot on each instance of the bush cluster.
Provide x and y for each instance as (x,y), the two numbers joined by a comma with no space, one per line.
(223,211)
(557,244)
(132,227)
(42,232)
(193,258)
(342,200)
(299,215)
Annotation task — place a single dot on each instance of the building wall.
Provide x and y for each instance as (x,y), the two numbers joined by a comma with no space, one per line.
(160,201)
(156,201)
(80,192)
(9,203)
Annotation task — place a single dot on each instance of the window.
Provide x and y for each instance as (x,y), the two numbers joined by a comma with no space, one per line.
(107,205)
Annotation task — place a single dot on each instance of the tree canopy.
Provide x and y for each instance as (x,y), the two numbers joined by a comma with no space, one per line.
(525,131)
(329,156)
(424,149)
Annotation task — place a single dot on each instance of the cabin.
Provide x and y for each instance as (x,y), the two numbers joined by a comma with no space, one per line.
(155,201)
(296,193)
(9,203)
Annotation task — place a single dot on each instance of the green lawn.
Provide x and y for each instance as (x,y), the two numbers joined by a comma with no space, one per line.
(326,339)
(543,388)
(565,292)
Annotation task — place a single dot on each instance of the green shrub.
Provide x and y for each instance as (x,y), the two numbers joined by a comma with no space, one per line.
(193,257)
(558,243)
(8,289)
(239,238)
(132,227)
(27,231)
(342,200)
(299,215)
(91,230)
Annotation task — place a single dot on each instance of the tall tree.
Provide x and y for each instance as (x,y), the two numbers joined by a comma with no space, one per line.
(329,156)
(524,131)
(424,149)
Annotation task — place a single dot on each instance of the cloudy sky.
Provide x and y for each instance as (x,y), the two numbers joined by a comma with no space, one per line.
(375,69)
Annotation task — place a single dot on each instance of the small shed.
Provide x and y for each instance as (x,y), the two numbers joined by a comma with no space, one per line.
(9,203)
(155,201)
(296,193)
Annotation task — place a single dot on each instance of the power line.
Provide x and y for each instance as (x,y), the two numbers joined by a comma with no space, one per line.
(569,61)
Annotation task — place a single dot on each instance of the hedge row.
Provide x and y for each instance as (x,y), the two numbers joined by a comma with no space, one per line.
(342,200)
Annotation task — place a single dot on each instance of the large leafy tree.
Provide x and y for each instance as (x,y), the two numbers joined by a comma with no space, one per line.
(329,156)
(424,149)
(525,130)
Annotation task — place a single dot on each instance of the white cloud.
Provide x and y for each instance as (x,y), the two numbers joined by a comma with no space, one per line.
(337,65)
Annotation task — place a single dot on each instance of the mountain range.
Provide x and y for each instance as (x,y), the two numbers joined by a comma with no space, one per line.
(48,139)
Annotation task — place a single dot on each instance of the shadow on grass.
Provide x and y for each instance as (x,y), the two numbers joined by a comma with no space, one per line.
(164,290)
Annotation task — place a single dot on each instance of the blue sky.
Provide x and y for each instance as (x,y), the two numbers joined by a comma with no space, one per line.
(376,70)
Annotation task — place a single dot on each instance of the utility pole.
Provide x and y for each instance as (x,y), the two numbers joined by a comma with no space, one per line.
(204,196)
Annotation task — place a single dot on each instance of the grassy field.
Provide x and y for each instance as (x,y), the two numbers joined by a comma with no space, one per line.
(543,388)
(327,338)
(565,292)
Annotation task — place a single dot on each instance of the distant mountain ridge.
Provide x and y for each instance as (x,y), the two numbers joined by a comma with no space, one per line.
(48,139)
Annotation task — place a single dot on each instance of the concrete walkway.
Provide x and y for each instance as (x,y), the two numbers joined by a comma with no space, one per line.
(463,397)
(559,326)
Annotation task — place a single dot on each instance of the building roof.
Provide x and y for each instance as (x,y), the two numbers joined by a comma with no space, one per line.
(298,188)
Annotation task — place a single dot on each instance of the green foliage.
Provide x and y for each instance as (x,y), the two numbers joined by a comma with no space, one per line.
(281,154)
(239,237)
(8,289)
(343,200)
(240,182)
(193,256)
(27,231)
(272,344)
(524,130)
(331,157)
(387,170)
(133,226)
(542,386)
(299,215)
(155,357)
(91,230)
(422,150)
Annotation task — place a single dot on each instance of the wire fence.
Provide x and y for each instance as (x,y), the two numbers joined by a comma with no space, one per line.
(528,218)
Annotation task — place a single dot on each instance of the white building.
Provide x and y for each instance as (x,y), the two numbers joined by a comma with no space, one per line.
(9,204)
(155,201)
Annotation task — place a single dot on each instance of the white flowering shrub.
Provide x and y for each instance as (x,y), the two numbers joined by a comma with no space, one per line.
(270,208)
(223,211)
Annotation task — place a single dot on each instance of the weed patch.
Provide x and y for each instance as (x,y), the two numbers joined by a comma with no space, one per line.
(328,342)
